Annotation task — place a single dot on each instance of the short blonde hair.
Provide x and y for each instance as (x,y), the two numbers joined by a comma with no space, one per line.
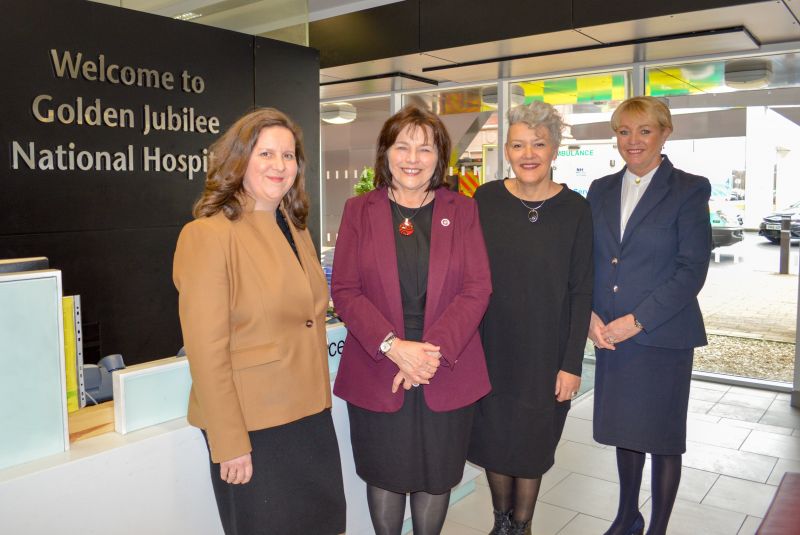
(651,107)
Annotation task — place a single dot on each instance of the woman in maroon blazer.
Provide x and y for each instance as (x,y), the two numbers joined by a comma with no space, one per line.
(411,281)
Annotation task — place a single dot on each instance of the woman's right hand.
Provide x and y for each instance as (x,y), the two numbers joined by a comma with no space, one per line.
(401,379)
(237,471)
(413,359)
(596,328)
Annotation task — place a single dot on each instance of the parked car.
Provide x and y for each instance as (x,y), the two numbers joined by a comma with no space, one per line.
(723,192)
(726,224)
(770,227)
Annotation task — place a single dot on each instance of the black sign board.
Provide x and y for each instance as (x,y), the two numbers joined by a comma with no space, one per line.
(105,123)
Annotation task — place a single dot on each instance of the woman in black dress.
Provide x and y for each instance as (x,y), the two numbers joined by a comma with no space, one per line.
(539,238)
(411,281)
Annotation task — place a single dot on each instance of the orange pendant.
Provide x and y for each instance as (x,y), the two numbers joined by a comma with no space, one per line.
(406,228)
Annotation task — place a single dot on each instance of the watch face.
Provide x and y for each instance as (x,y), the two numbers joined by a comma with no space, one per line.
(385,346)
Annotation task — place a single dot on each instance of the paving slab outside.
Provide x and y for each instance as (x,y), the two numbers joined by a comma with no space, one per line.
(750,311)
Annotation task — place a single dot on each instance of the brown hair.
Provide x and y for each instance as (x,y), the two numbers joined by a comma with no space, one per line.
(651,107)
(413,117)
(228,160)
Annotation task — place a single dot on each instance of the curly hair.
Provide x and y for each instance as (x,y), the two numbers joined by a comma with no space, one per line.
(228,160)
(538,114)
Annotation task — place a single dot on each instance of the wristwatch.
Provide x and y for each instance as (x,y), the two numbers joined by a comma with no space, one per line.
(637,324)
(386,345)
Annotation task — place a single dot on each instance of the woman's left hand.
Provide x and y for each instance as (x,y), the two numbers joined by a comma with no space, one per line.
(620,329)
(567,385)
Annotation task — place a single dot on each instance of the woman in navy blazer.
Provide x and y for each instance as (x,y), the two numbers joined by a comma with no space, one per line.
(411,281)
(651,252)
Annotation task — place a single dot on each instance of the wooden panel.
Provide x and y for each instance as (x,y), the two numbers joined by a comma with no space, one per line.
(91,421)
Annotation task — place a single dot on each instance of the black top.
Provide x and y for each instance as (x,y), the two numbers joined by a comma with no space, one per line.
(413,255)
(538,315)
(284,226)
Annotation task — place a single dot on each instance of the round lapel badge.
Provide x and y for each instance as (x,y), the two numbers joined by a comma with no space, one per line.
(445,222)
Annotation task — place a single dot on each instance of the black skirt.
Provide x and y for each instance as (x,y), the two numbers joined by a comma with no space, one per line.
(515,439)
(413,449)
(296,486)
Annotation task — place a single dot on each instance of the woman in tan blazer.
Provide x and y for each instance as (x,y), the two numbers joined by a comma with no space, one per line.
(252,309)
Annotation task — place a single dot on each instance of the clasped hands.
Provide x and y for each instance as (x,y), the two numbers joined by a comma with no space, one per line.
(418,362)
(607,335)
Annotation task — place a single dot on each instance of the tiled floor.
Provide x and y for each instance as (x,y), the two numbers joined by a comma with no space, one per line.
(741,441)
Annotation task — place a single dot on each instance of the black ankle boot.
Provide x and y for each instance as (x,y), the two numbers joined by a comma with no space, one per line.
(502,523)
(520,528)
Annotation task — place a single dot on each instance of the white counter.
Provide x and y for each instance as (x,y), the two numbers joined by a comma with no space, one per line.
(149,482)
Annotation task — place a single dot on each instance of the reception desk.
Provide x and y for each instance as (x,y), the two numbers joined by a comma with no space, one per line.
(154,481)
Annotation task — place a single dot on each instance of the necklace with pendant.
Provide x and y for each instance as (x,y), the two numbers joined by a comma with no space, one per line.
(533,211)
(406,228)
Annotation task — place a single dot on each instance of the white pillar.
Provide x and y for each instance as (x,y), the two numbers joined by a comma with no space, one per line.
(760,166)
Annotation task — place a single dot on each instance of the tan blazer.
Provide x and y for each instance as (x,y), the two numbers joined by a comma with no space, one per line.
(253,323)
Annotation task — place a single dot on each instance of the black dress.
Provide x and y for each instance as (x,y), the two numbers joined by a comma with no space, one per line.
(296,486)
(415,448)
(536,325)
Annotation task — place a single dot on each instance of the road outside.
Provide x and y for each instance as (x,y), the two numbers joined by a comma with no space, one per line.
(750,311)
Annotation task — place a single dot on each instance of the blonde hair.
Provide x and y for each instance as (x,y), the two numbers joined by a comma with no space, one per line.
(228,160)
(651,107)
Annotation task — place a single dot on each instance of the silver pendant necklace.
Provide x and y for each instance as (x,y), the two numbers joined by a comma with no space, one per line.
(533,211)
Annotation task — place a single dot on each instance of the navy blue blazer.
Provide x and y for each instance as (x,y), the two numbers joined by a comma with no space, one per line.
(660,265)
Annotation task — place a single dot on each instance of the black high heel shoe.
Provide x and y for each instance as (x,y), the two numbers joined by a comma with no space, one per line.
(638,525)
(637,528)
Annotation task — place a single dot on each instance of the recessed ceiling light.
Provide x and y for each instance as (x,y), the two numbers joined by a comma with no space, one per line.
(187,16)
(516,95)
(338,113)
(753,73)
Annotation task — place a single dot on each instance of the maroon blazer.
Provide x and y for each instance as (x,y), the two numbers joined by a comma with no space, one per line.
(366,292)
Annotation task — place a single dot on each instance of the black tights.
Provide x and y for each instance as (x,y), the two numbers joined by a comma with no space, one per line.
(666,476)
(387,508)
(514,493)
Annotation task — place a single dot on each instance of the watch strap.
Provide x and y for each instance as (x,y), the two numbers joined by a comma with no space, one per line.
(386,345)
